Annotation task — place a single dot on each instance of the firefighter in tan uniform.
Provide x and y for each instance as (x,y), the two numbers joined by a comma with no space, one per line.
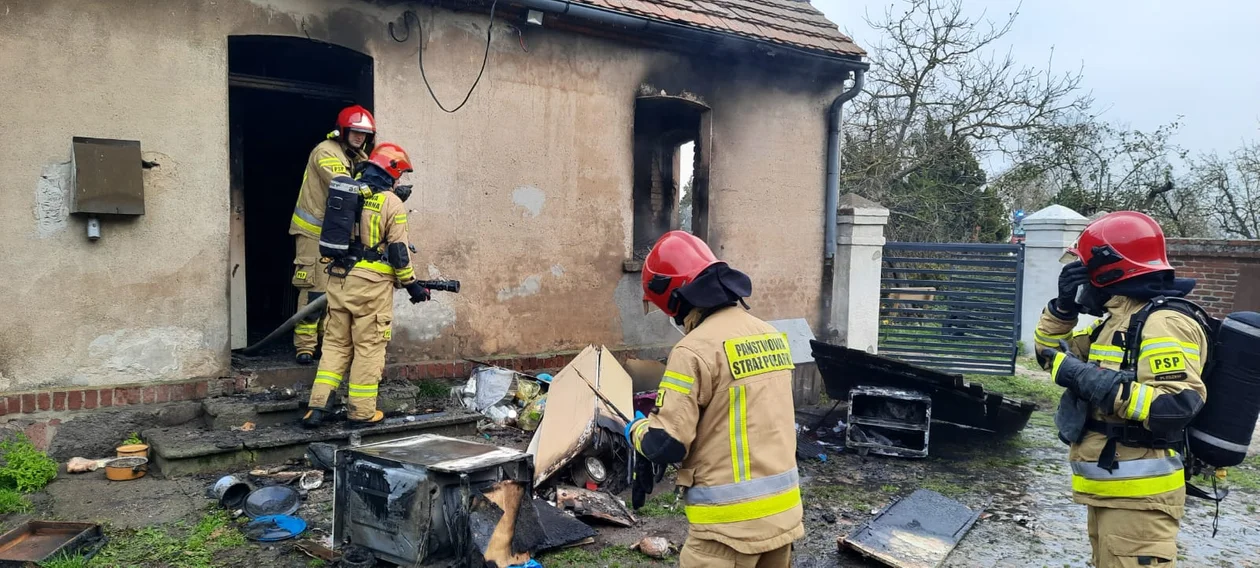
(339,155)
(1125,410)
(724,410)
(361,304)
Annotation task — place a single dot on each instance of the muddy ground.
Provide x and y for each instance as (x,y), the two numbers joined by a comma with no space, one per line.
(1021,483)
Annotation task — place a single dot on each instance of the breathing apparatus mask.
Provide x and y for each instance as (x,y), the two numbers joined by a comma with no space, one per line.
(1093,299)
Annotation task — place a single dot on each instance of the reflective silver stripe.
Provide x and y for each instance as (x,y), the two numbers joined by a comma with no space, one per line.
(1133,469)
(1142,391)
(1241,327)
(344,187)
(681,384)
(744,490)
(1106,353)
(1159,345)
(333,245)
(1048,339)
(308,217)
(1222,444)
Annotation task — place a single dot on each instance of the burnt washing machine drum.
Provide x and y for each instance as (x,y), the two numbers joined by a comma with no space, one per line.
(407,500)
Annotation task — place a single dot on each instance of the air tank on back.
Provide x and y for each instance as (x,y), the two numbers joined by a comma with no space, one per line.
(1222,431)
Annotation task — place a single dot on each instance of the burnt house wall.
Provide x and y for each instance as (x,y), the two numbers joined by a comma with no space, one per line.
(525,195)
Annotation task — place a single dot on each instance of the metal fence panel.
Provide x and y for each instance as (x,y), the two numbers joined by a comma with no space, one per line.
(952,307)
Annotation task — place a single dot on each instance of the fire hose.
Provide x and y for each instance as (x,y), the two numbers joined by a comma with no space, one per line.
(320,303)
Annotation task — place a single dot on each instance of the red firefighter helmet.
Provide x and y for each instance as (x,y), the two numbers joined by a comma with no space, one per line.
(1121,245)
(676,259)
(392,158)
(355,118)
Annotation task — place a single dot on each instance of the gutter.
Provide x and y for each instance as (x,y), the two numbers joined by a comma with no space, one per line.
(640,23)
(833,163)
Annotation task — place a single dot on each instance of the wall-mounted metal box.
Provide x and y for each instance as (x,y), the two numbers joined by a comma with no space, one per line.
(107,177)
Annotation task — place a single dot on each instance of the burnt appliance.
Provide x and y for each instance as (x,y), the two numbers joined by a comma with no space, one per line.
(408,500)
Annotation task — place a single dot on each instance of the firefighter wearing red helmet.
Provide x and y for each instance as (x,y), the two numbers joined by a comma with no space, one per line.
(361,305)
(723,412)
(1125,409)
(343,150)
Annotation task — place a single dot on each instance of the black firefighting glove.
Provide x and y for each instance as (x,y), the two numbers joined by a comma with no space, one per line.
(1092,383)
(1073,275)
(418,293)
(643,481)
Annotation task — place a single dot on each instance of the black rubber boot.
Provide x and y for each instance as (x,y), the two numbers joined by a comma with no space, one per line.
(305,358)
(314,418)
(375,419)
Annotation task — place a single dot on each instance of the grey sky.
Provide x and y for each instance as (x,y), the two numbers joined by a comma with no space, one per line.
(1145,61)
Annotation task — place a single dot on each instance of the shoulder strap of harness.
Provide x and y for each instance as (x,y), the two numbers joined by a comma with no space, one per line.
(1133,336)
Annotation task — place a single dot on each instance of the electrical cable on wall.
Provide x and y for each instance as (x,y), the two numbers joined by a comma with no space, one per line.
(484,59)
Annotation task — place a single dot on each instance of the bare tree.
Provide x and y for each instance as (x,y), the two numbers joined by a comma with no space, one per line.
(1230,188)
(1095,167)
(935,66)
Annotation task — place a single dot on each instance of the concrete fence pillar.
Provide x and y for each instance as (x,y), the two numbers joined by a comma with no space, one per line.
(1047,234)
(856,272)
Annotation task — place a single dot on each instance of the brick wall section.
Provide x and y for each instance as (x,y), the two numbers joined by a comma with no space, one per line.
(58,400)
(1228,272)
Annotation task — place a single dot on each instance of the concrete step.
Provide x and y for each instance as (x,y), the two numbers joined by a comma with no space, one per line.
(225,413)
(191,449)
(282,406)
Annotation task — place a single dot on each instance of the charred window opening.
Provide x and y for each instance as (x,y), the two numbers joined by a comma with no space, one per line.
(671,181)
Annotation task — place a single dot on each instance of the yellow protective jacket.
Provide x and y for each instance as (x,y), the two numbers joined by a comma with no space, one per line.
(383,222)
(329,159)
(1168,391)
(727,398)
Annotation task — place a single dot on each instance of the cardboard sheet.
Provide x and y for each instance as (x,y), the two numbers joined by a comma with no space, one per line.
(569,421)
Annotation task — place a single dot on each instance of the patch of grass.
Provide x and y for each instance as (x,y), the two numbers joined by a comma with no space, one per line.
(661,505)
(316,563)
(1251,508)
(1033,389)
(943,486)
(162,546)
(609,556)
(1245,476)
(430,388)
(65,561)
(888,488)
(13,502)
(853,498)
(24,468)
(1043,418)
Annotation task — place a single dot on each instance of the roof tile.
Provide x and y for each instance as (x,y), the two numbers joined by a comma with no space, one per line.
(790,22)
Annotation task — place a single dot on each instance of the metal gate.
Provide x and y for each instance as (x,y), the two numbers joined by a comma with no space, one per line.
(952,307)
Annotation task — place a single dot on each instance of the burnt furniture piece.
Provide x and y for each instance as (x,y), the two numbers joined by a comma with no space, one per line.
(409,500)
(954,400)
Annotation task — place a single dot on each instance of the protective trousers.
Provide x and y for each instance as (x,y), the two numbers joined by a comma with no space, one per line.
(697,553)
(312,282)
(357,329)
(1129,538)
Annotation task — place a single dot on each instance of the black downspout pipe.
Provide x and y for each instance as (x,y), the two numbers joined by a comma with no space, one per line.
(833,162)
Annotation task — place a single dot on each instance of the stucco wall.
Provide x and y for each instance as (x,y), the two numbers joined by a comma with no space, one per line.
(524,195)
